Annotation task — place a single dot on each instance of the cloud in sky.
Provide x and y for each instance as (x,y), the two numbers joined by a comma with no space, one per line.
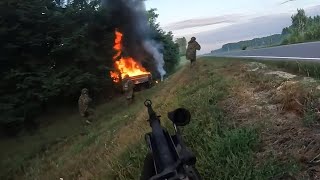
(287,1)
(256,27)
(191,23)
(240,29)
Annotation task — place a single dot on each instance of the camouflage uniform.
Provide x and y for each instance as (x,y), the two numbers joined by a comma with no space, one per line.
(84,105)
(192,48)
(128,86)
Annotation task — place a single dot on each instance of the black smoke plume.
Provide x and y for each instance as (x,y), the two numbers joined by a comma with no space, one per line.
(130,18)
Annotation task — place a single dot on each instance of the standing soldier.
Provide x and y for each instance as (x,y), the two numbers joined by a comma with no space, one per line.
(84,103)
(128,86)
(192,48)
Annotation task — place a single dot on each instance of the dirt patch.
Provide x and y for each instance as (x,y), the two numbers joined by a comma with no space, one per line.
(292,95)
(309,80)
(282,74)
(279,110)
(255,66)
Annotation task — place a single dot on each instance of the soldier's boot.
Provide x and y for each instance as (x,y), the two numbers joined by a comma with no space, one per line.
(86,122)
(193,62)
(128,102)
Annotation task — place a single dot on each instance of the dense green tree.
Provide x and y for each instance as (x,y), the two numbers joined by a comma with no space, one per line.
(299,21)
(170,49)
(51,49)
(286,31)
(303,29)
(50,52)
(182,42)
(251,44)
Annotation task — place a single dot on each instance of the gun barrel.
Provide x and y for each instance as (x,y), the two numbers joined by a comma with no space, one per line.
(163,151)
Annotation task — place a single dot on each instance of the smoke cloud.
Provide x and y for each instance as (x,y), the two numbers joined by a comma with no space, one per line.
(130,17)
(152,47)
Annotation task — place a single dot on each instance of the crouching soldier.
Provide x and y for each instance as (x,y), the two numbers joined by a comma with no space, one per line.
(84,103)
(128,86)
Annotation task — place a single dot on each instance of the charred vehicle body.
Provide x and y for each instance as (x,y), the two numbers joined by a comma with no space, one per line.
(142,81)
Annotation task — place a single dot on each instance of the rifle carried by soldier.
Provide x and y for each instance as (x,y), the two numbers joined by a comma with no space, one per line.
(169,158)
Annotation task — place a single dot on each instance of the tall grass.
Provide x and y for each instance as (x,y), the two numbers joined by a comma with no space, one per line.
(307,68)
(223,151)
(310,102)
(49,149)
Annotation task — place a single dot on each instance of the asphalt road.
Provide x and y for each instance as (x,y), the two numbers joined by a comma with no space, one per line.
(303,51)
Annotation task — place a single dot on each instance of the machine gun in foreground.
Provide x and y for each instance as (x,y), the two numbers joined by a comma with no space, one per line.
(169,158)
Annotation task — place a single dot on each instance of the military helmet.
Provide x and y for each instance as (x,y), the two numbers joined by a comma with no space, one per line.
(193,39)
(84,91)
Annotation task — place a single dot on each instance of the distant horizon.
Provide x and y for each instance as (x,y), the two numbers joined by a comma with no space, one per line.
(215,28)
(259,26)
(312,15)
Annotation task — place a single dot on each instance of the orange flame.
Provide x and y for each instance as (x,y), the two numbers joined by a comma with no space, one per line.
(124,65)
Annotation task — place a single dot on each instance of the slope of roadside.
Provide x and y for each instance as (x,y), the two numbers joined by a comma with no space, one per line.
(90,154)
(287,108)
(249,122)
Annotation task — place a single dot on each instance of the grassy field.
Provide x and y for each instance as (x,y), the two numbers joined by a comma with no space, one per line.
(223,150)
(59,142)
(305,68)
(235,131)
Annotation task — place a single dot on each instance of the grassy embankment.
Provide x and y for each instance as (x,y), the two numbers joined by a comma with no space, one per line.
(63,147)
(304,68)
(227,146)
(64,141)
(224,150)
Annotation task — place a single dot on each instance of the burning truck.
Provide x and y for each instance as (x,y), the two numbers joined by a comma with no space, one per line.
(134,43)
(128,66)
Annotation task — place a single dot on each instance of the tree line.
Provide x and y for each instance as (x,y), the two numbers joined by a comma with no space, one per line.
(182,42)
(272,40)
(50,50)
(302,29)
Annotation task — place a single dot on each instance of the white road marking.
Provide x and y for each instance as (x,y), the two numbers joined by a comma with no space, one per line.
(276,57)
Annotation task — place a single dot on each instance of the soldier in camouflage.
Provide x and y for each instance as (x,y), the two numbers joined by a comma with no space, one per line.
(84,105)
(128,86)
(192,48)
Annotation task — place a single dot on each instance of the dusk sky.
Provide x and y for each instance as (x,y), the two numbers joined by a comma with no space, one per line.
(216,22)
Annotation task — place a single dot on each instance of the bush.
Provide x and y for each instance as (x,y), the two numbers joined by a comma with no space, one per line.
(50,51)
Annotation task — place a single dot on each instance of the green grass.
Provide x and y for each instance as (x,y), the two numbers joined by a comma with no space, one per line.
(223,151)
(305,68)
(309,117)
(30,154)
(130,164)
